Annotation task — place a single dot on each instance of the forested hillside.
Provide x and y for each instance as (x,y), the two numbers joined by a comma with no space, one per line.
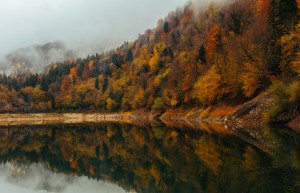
(194,57)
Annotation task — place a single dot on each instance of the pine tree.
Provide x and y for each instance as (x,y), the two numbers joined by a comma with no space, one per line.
(282,17)
(117,59)
(80,69)
(44,85)
(129,56)
(97,83)
(235,24)
(201,54)
(166,27)
(105,84)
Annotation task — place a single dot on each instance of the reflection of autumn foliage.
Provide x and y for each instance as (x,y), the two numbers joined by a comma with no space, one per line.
(208,152)
(151,159)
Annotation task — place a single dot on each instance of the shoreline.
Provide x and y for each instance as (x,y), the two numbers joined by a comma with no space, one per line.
(244,121)
(248,116)
(176,118)
(52,118)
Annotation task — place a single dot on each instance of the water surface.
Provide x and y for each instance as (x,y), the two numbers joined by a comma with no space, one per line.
(110,157)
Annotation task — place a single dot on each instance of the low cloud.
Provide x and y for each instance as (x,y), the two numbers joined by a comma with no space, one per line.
(35,58)
(86,26)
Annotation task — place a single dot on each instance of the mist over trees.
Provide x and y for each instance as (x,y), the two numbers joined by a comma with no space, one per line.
(35,58)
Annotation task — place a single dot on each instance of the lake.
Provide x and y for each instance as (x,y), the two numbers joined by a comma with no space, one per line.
(115,158)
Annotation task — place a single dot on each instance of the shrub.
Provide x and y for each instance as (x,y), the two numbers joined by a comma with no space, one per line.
(281,101)
(286,100)
(294,92)
(158,105)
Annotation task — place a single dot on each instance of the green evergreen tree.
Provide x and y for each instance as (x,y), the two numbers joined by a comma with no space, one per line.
(235,23)
(105,84)
(166,27)
(201,54)
(80,69)
(44,85)
(282,17)
(97,83)
(129,56)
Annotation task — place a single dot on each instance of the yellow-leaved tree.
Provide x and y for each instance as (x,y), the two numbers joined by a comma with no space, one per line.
(170,97)
(209,87)
(252,78)
(154,61)
(290,47)
(255,74)
(138,99)
(111,104)
(143,59)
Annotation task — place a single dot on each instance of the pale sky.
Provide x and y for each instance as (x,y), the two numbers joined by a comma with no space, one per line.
(89,24)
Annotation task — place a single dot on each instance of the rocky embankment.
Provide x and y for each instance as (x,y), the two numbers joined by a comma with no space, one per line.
(245,121)
(295,124)
(251,114)
(247,115)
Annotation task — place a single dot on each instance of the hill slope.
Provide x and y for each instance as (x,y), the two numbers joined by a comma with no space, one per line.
(221,55)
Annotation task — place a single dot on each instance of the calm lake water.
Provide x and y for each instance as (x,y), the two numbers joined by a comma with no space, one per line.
(115,158)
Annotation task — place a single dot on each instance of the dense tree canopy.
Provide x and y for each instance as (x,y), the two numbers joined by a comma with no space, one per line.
(193,57)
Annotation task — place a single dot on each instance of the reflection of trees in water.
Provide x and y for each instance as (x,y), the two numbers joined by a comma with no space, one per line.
(156,159)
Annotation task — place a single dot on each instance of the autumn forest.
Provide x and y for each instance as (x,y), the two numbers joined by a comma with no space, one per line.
(221,55)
